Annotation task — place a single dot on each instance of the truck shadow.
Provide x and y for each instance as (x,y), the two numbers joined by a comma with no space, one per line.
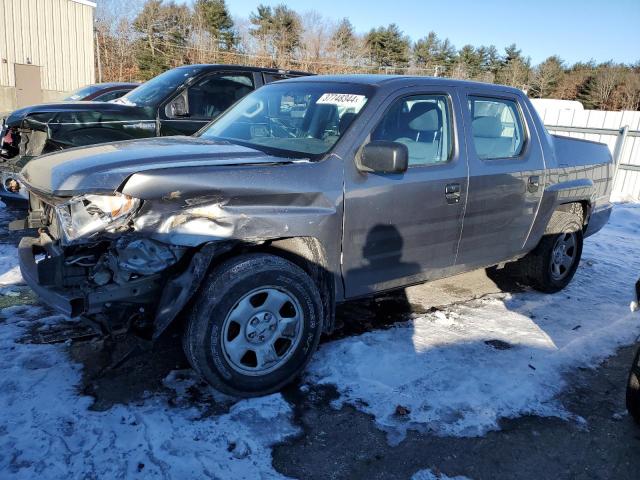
(381,256)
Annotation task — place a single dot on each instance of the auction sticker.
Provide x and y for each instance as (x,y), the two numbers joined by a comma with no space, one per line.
(346,100)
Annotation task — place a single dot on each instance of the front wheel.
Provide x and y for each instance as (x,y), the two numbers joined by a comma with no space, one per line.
(254,325)
(551,265)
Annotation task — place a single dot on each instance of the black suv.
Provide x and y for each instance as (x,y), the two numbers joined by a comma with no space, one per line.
(178,102)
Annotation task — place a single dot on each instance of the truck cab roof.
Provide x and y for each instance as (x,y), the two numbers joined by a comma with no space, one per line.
(399,81)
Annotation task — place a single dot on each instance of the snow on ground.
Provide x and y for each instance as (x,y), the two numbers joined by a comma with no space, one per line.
(437,366)
(459,371)
(48,432)
(9,271)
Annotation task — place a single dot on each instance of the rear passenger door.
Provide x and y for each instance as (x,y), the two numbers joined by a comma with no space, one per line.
(404,228)
(506,178)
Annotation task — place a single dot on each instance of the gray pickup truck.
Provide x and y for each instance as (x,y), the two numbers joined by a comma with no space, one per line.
(306,193)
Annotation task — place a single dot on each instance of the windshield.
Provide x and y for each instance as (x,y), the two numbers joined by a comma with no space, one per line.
(300,119)
(82,92)
(151,93)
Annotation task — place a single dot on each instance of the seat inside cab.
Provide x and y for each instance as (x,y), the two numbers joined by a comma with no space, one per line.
(488,139)
(418,123)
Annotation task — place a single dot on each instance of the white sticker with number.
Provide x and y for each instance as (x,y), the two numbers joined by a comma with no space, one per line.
(346,100)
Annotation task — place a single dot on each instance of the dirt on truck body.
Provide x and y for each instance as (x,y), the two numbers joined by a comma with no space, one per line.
(306,193)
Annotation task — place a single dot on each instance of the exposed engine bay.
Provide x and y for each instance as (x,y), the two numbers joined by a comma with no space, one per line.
(120,280)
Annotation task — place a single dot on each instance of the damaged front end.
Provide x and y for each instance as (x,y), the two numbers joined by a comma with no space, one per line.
(10,144)
(38,130)
(18,145)
(87,262)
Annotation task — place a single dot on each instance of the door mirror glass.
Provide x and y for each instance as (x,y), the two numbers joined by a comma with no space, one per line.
(384,157)
(177,107)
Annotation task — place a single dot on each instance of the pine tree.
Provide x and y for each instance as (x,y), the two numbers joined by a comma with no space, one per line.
(278,30)
(213,16)
(515,69)
(163,30)
(425,51)
(388,46)
(344,40)
(445,55)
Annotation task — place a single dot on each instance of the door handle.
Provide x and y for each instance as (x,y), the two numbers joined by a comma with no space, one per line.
(452,193)
(533,184)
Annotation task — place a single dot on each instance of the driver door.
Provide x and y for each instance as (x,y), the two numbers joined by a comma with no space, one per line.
(401,229)
(205,99)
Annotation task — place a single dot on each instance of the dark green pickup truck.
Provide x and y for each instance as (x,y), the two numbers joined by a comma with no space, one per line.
(177,102)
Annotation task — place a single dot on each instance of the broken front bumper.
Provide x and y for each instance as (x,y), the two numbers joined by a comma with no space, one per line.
(44,270)
(68,303)
(159,297)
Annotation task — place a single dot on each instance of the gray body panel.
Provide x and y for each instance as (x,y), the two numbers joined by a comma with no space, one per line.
(398,228)
(376,231)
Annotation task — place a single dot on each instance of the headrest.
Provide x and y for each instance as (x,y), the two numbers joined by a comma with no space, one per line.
(323,114)
(345,121)
(488,127)
(424,117)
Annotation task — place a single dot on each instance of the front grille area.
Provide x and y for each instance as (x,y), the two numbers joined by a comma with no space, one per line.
(42,215)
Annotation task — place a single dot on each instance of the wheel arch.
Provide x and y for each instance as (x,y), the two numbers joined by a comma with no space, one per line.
(306,252)
(578,207)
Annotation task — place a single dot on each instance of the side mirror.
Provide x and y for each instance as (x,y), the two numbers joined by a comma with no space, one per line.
(384,157)
(177,107)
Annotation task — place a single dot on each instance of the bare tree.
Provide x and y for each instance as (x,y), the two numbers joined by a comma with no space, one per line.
(114,39)
(546,77)
(515,73)
(603,85)
(627,96)
(315,41)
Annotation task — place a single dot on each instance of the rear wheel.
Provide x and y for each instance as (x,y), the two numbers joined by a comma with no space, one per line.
(552,264)
(254,325)
(633,389)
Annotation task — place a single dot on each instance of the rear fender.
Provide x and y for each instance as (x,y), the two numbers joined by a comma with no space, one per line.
(561,196)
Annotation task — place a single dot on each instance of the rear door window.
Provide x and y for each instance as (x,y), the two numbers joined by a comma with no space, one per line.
(497,127)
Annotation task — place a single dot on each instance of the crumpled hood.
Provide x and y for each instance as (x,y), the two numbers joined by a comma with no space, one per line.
(76,112)
(103,168)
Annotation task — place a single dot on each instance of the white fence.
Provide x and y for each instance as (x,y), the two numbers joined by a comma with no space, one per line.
(609,128)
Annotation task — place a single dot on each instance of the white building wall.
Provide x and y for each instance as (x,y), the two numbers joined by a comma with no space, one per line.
(56,35)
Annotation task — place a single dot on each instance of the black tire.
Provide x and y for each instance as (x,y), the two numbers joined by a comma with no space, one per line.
(223,290)
(633,389)
(535,269)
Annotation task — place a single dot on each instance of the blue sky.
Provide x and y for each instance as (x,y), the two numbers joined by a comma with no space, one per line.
(575,30)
